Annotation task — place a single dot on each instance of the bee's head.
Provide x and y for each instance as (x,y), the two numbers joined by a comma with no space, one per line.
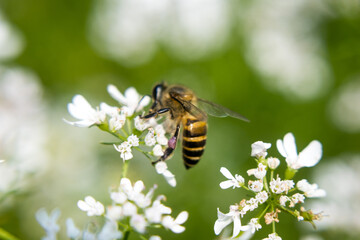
(157,90)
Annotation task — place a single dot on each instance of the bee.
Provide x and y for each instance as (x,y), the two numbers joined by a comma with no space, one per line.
(184,108)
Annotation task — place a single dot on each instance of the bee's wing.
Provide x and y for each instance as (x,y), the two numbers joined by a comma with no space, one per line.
(217,110)
(189,107)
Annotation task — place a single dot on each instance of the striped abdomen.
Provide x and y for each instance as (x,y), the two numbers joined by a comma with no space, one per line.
(194,139)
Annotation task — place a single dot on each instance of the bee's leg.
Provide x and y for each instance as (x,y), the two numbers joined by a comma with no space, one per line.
(154,114)
(171,146)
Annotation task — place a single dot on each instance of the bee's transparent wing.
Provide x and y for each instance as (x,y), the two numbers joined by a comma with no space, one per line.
(217,110)
(189,107)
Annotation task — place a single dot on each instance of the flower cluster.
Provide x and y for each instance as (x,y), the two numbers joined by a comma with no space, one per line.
(272,194)
(131,209)
(124,122)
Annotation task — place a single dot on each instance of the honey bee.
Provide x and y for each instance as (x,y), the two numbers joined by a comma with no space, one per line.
(184,108)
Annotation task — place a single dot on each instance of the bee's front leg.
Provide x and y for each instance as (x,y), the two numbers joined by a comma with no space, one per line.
(171,146)
(156,113)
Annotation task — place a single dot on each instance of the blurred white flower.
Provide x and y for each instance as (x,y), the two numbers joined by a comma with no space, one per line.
(109,231)
(138,222)
(308,157)
(114,213)
(256,186)
(273,162)
(310,190)
(155,212)
(129,209)
(11,42)
(283,199)
(272,236)
(125,150)
(48,222)
(234,182)
(161,168)
(225,219)
(131,100)
(296,198)
(150,139)
(254,225)
(258,172)
(82,110)
(155,237)
(91,206)
(158,151)
(261,197)
(174,224)
(133,140)
(259,148)
(72,231)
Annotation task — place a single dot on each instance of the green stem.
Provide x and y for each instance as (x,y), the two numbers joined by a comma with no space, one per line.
(6,235)
(126,234)
(287,210)
(273,227)
(290,173)
(125,168)
(266,184)
(263,212)
(271,175)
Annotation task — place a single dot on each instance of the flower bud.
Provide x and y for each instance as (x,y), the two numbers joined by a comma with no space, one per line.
(273,163)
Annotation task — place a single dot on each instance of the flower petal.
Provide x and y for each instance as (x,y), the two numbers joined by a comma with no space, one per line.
(116,94)
(237,226)
(182,217)
(290,146)
(311,155)
(177,229)
(280,147)
(226,173)
(226,184)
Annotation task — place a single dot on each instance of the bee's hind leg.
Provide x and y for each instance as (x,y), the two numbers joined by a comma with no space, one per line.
(171,146)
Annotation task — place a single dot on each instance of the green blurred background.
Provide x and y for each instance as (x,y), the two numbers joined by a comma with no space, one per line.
(287,66)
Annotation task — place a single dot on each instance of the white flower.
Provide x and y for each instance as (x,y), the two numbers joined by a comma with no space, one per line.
(258,149)
(262,196)
(155,237)
(138,222)
(71,230)
(273,163)
(118,197)
(109,231)
(1,161)
(157,150)
(308,157)
(82,110)
(310,190)
(256,186)
(132,100)
(161,168)
(114,213)
(150,139)
(252,204)
(133,140)
(91,206)
(132,192)
(155,212)
(277,186)
(140,124)
(129,209)
(48,222)
(288,184)
(160,135)
(258,172)
(117,120)
(254,225)
(226,219)
(233,182)
(296,198)
(125,150)
(174,224)
(283,199)
(272,236)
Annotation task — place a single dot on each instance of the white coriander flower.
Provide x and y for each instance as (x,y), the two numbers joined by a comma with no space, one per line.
(131,99)
(116,122)
(150,139)
(252,203)
(262,196)
(109,110)
(288,184)
(155,237)
(91,206)
(297,198)
(277,186)
(234,182)
(157,150)
(125,150)
(308,157)
(258,172)
(273,163)
(82,110)
(160,135)
(140,124)
(174,224)
(133,140)
(283,199)
(132,192)
(114,213)
(258,149)
(254,225)
(48,222)
(256,186)
(72,231)
(272,236)
(129,209)
(138,222)
(161,168)
(310,190)
(109,231)
(226,219)
(118,197)
(155,212)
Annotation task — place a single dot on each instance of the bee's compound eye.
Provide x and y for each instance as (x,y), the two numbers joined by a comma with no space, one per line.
(157,91)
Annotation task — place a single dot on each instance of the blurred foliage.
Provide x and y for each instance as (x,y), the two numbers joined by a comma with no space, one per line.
(58,51)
